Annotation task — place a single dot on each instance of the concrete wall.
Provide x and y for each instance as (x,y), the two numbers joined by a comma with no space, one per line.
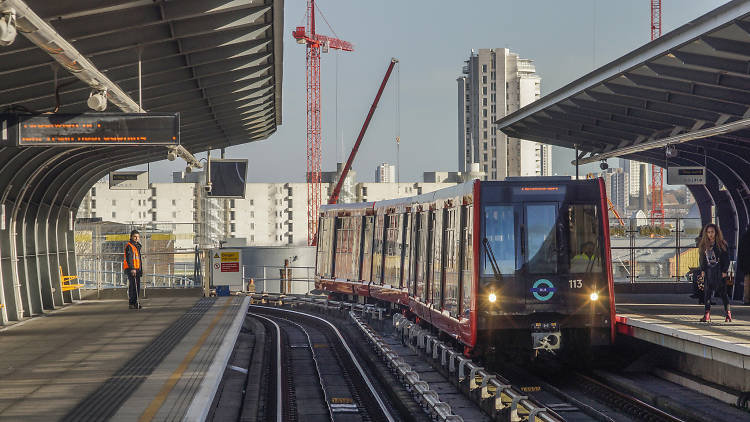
(254,258)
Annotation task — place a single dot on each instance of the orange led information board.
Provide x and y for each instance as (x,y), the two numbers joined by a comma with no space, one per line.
(90,129)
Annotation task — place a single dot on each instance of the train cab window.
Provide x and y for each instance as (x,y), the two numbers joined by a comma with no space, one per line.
(584,245)
(499,229)
(541,240)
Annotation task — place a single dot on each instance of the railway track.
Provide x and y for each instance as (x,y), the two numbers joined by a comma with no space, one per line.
(317,377)
(313,342)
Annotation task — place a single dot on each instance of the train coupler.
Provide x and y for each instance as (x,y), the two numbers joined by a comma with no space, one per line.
(546,341)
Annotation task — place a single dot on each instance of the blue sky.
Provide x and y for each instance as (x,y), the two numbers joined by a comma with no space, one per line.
(566,39)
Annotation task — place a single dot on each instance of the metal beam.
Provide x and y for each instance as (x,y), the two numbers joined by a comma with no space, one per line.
(44,36)
(678,139)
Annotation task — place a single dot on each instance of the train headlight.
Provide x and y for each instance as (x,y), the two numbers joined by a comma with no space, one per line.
(492,298)
(594,296)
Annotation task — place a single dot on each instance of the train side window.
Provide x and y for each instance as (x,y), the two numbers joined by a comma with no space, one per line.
(499,229)
(467,267)
(392,266)
(325,242)
(541,225)
(585,248)
(421,259)
(378,244)
(436,288)
(405,251)
(451,276)
(367,249)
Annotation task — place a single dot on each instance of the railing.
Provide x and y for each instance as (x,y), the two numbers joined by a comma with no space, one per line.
(646,250)
(278,279)
(99,274)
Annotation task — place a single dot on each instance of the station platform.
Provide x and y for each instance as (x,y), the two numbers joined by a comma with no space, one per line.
(717,351)
(97,360)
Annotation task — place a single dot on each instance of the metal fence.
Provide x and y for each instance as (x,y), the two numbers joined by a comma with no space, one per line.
(169,254)
(644,249)
(278,279)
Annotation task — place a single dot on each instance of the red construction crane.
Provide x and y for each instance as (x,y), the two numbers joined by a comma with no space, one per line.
(315,42)
(334,199)
(657,173)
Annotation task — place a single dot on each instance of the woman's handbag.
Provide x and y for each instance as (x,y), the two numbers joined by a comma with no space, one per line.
(729,279)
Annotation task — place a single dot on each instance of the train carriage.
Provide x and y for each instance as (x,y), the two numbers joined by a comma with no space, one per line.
(525,260)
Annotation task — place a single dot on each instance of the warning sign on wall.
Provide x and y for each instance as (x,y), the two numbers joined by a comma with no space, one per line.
(227,268)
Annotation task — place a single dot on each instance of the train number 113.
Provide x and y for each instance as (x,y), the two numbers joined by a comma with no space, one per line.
(575,284)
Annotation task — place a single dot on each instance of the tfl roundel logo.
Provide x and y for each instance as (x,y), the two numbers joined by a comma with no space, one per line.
(543,289)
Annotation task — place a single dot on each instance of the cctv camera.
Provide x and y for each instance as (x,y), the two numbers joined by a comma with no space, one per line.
(603,165)
(97,100)
(207,188)
(7,27)
(171,155)
(188,169)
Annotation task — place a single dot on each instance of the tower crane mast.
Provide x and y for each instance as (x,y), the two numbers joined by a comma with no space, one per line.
(315,43)
(657,172)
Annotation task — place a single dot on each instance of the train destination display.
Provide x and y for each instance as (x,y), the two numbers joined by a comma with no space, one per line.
(90,129)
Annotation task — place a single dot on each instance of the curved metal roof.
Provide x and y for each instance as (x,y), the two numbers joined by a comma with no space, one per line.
(217,62)
(694,78)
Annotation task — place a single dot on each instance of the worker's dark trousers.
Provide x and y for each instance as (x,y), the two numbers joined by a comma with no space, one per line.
(134,287)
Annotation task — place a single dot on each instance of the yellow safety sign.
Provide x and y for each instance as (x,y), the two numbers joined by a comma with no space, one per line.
(117,237)
(163,236)
(83,236)
(230,257)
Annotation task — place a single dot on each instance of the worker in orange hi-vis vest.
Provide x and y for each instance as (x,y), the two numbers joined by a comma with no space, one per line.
(132,264)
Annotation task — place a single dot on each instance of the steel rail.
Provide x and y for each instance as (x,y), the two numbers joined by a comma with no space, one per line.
(630,398)
(362,373)
(317,365)
(279,396)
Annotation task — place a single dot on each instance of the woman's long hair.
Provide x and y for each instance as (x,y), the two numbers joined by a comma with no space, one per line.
(719,238)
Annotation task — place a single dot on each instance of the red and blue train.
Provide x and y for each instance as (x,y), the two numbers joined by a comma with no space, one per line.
(521,262)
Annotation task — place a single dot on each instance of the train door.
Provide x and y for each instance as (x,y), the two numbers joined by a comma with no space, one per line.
(539,253)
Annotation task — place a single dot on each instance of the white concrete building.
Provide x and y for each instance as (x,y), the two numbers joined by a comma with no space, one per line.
(496,82)
(385,173)
(271,214)
(633,168)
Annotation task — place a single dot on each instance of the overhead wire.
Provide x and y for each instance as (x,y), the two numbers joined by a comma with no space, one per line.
(326,21)
(397,111)
(339,158)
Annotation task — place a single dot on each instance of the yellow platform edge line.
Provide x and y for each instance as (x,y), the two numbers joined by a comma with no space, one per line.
(159,399)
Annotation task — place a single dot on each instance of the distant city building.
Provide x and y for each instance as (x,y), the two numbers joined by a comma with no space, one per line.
(617,184)
(442,177)
(453,176)
(368,192)
(634,170)
(348,192)
(385,173)
(496,82)
(271,214)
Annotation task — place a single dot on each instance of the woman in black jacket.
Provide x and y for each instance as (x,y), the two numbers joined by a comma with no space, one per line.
(714,266)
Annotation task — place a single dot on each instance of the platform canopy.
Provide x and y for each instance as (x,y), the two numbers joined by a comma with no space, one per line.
(216,62)
(689,89)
